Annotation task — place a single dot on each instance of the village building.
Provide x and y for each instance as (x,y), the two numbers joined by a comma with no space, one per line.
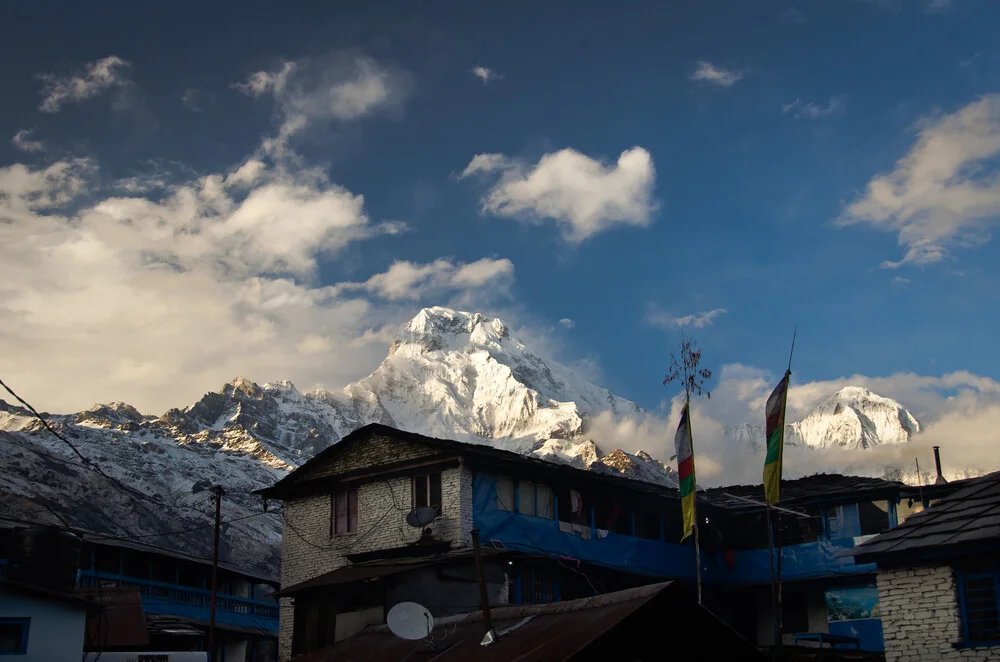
(170,589)
(386,516)
(939,577)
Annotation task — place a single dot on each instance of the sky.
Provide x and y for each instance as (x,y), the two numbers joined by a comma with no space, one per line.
(191,192)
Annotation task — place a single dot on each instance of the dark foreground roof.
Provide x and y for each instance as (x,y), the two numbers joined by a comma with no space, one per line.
(373,570)
(560,631)
(966,520)
(818,488)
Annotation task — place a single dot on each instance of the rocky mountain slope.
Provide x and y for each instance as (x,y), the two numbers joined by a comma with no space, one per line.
(449,374)
(851,418)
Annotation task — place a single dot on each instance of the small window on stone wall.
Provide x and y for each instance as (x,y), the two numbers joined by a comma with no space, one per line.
(979,598)
(344,512)
(427,491)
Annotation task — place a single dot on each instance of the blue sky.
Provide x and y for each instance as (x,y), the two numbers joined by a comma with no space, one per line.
(758,126)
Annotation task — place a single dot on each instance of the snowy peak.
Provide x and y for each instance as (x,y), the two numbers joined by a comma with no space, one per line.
(854,417)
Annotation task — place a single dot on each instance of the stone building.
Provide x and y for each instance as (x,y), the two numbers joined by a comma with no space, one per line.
(939,578)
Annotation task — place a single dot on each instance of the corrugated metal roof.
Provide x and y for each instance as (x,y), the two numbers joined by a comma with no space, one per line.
(555,632)
(817,488)
(970,515)
(372,570)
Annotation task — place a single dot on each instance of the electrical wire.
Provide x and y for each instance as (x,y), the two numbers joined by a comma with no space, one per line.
(87,462)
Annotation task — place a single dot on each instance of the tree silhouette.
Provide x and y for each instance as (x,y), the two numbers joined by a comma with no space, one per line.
(685,369)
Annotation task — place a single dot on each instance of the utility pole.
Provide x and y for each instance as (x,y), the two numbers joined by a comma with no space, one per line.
(218,492)
(484,597)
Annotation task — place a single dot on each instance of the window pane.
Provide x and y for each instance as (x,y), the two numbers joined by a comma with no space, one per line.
(544,504)
(435,495)
(505,493)
(352,511)
(12,634)
(526,497)
(419,491)
(340,525)
(981,607)
(874,517)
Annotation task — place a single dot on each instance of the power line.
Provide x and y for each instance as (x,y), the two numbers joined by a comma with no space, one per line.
(88,463)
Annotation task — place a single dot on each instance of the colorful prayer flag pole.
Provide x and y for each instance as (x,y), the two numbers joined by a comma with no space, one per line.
(684,448)
(774,413)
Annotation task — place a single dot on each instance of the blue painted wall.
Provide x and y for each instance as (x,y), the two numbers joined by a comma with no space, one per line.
(659,558)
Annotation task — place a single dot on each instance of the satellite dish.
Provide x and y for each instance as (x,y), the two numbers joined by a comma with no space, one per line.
(408,620)
(421,517)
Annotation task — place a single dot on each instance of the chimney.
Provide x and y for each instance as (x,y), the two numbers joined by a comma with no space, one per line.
(940,480)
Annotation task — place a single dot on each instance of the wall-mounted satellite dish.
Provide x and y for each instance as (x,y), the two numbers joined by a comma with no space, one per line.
(421,517)
(408,620)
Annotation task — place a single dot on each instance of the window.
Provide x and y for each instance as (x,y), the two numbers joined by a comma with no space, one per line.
(14,636)
(874,517)
(344,512)
(505,493)
(979,596)
(834,522)
(427,491)
(544,503)
(526,497)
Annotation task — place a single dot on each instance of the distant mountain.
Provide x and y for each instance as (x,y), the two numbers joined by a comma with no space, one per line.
(449,374)
(852,418)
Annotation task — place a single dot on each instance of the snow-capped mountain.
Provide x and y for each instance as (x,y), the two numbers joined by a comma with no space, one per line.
(851,418)
(449,374)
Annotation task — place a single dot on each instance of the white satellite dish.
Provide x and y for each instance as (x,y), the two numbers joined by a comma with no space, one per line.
(408,620)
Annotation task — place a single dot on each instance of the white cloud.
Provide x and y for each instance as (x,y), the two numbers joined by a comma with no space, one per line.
(22,141)
(899,280)
(583,195)
(411,281)
(716,75)
(191,99)
(664,320)
(158,299)
(339,87)
(799,109)
(945,192)
(485,74)
(567,323)
(95,78)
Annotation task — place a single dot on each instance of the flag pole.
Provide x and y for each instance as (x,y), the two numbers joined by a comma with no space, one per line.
(777,516)
(694,509)
(775,625)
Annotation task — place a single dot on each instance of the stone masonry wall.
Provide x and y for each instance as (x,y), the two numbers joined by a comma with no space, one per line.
(307,548)
(920,616)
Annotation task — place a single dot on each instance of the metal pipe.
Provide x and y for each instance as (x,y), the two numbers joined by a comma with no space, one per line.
(940,480)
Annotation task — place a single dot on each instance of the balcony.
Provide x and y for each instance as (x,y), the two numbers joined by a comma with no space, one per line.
(177,600)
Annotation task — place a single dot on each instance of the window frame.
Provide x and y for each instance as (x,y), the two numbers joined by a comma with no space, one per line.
(428,485)
(25,623)
(961,576)
(351,513)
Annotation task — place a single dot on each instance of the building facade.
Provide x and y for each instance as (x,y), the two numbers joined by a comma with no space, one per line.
(39,625)
(553,532)
(175,590)
(939,578)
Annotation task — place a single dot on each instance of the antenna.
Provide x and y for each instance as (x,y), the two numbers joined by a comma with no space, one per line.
(421,517)
(409,620)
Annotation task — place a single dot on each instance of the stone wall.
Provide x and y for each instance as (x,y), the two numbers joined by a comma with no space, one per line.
(921,618)
(307,548)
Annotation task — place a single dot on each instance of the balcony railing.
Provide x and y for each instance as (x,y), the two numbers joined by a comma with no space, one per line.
(263,614)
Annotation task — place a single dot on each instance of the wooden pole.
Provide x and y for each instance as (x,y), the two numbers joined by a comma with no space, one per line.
(218,492)
(775,626)
(777,544)
(484,597)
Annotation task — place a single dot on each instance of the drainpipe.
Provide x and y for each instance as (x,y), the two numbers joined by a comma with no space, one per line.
(940,480)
